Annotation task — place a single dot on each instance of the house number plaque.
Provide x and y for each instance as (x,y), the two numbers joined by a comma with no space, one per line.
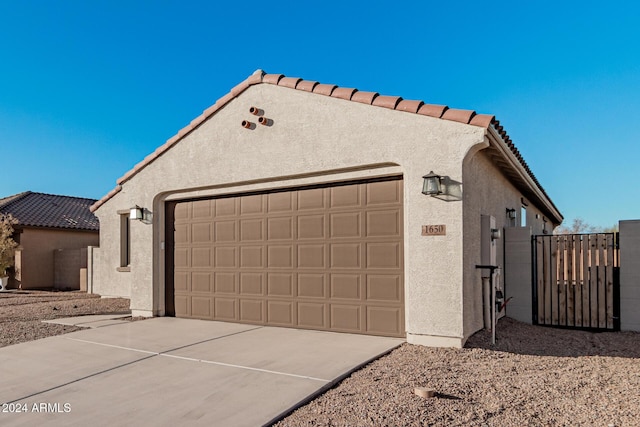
(434,230)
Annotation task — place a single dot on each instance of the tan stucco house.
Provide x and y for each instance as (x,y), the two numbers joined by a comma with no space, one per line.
(53,233)
(299,204)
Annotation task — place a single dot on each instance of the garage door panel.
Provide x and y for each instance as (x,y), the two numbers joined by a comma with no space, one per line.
(182,257)
(251,204)
(182,212)
(383,255)
(312,315)
(201,282)
(201,307)
(385,192)
(181,279)
(384,320)
(251,257)
(201,233)
(384,288)
(345,286)
(280,202)
(225,207)
(326,258)
(345,255)
(182,306)
(251,284)
(252,310)
(251,230)
(345,317)
(280,312)
(202,209)
(280,256)
(225,308)
(345,225)
(225,283)
(225,231)
(345,196)
(225,257)
(311,199)
(311,256)
(280,284)
(384,223)
(182,233)
(311,226)
(311,285)
(280,228)
(201,257)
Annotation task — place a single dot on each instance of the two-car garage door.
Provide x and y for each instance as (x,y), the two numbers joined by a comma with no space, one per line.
(327,258)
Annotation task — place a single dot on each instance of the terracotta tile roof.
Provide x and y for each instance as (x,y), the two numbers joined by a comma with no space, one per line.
(350,94)
(50,211)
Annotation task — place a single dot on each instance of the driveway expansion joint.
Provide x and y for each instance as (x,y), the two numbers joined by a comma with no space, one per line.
(166,353)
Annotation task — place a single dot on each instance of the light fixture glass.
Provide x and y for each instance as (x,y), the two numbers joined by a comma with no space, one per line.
(136,213)
(432,184)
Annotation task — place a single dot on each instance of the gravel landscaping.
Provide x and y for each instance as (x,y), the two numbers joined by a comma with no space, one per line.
(534,376)
(21,312)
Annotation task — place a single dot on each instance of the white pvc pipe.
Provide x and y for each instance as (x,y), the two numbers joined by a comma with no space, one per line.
(486,290)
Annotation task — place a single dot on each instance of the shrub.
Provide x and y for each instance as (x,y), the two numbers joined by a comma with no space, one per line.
(7,244)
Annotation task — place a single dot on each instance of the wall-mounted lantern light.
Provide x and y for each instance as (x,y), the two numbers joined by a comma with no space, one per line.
(137,213)
(511,213)
(432,185)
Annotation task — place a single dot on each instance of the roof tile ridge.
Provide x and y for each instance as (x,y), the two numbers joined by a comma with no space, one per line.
(61,195)
(105,198)
(14,198)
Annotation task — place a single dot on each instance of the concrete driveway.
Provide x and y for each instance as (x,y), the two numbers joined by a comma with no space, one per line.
(168,371)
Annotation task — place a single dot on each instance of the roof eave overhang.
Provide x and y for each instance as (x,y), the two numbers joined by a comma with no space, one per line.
(506,160)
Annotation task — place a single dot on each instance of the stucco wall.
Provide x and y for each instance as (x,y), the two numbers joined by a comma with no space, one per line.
(487,192)
(70,269)
(37,248)
(630,275)
(313,139)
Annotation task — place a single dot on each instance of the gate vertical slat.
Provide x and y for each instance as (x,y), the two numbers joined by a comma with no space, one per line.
(609,280)
(586,318)
(575,280)
(540,277)
(577,275)
(554,281)
(547,280)
(562,288)
(593,280)
(602,292)
(569,279)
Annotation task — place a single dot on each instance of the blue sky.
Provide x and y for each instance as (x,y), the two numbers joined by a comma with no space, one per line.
(89,88)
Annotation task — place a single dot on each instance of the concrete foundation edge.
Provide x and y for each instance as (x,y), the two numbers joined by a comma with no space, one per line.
(435,341)
(141,313)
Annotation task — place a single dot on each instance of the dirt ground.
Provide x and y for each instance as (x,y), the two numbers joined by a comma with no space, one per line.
(534,376)
(21,312)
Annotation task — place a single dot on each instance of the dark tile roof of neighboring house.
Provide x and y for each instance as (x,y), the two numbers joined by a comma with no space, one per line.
(350,94)
(50,211)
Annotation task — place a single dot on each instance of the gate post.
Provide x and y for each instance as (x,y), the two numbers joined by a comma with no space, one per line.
(630,275)
(517,273)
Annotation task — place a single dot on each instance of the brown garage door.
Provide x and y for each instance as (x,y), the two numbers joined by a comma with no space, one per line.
(326,258)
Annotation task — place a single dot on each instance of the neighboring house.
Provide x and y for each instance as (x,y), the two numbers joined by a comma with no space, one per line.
(53,233)
(299,204)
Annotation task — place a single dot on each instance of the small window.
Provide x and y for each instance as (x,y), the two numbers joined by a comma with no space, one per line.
(523,216)
(125,240)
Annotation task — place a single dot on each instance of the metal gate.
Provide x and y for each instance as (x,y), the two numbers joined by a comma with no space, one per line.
(576,281)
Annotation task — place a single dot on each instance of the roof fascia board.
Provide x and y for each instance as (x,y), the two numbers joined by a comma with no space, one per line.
(497,142)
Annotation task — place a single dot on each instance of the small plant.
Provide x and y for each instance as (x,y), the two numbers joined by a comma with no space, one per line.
(7,244)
